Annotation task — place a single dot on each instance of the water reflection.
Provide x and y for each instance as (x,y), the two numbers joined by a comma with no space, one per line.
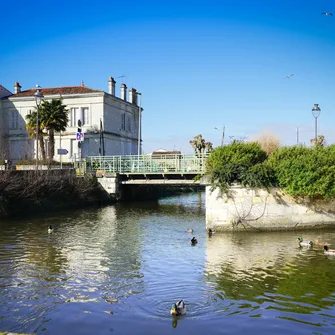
(268,274)
(130,262)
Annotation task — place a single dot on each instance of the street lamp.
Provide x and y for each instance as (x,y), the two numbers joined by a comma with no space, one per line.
(316,113)
(38,99)
(139,124)
(223,131)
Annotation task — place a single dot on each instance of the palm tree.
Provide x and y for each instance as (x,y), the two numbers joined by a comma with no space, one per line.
(54,118)
(31,127)
(200,146)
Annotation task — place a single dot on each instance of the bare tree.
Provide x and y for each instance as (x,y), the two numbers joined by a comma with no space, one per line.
(320,141)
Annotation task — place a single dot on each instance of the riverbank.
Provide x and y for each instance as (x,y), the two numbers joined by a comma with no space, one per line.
(245,209)
(27,192)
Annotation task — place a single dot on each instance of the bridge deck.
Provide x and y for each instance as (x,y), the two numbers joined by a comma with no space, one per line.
(148,164)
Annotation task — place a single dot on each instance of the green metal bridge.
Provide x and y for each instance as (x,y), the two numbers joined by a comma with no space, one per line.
(147,164)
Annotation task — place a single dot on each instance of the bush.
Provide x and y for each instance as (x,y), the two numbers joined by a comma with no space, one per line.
(298,170)
(240,163)
(302,171)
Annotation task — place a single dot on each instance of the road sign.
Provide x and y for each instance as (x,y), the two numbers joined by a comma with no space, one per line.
(62,152)
(80,136)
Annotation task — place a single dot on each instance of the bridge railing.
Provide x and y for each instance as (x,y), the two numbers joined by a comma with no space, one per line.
(150,164)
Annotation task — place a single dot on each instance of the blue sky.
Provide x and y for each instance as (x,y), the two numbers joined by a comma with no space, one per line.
(199,65)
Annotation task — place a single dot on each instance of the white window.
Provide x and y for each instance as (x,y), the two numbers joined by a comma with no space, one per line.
(79,114)
(84,116)
(123,121)
(128,123)
(74,117)
(14,119)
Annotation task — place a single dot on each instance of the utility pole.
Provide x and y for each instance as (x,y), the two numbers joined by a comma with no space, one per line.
(223,133)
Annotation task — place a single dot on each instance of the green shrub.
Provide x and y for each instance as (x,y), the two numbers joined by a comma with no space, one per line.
(239,163)
(302,171)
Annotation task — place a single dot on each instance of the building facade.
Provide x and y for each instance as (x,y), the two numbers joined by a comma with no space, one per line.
(99,122)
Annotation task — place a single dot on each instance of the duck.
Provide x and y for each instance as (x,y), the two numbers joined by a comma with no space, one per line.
(50,230)
(304,244)
(211,231)
(190,230)
(320,243)
(328,251)
(194,241)
(178,308)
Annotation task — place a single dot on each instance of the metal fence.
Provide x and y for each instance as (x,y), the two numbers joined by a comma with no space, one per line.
(148,164)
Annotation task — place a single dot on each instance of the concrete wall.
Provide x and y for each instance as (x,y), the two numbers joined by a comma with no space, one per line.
(245,209)
(110,183)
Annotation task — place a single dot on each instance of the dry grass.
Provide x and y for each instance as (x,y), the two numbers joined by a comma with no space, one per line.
(268,141)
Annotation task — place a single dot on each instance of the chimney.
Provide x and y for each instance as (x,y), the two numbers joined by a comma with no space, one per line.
(17,88)
(133,96)
(124,92)
(111,86)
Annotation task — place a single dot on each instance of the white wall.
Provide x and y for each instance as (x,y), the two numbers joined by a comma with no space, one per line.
(247,209)
(101,106)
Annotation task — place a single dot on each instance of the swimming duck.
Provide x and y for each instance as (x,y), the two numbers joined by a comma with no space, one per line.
(304,244)
(320,243)
(328,251)
(190,230)
(211,231)
(179,308)
(194,241)
(50,229)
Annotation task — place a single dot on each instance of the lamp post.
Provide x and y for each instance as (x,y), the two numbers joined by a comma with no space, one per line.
(38,99)
(139,124)
(139,130)
(223,131)
(316,110)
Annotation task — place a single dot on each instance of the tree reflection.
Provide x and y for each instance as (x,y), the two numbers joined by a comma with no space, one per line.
(290,280)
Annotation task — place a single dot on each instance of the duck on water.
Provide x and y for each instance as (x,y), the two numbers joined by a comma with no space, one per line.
(178,308)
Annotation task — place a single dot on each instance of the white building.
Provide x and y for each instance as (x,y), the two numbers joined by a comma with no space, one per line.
(110,125)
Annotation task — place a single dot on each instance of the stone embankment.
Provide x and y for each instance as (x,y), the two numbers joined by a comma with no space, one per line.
(261,210)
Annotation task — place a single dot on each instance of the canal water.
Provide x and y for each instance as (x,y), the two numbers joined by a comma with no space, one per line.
(118,269)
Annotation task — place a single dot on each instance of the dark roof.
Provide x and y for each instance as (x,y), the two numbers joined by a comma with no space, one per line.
(166,153)
(57,90)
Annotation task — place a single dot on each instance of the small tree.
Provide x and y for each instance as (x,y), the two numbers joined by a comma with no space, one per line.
(52,117)
(31,128)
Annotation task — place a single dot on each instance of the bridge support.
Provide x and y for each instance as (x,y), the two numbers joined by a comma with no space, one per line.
(111,184)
